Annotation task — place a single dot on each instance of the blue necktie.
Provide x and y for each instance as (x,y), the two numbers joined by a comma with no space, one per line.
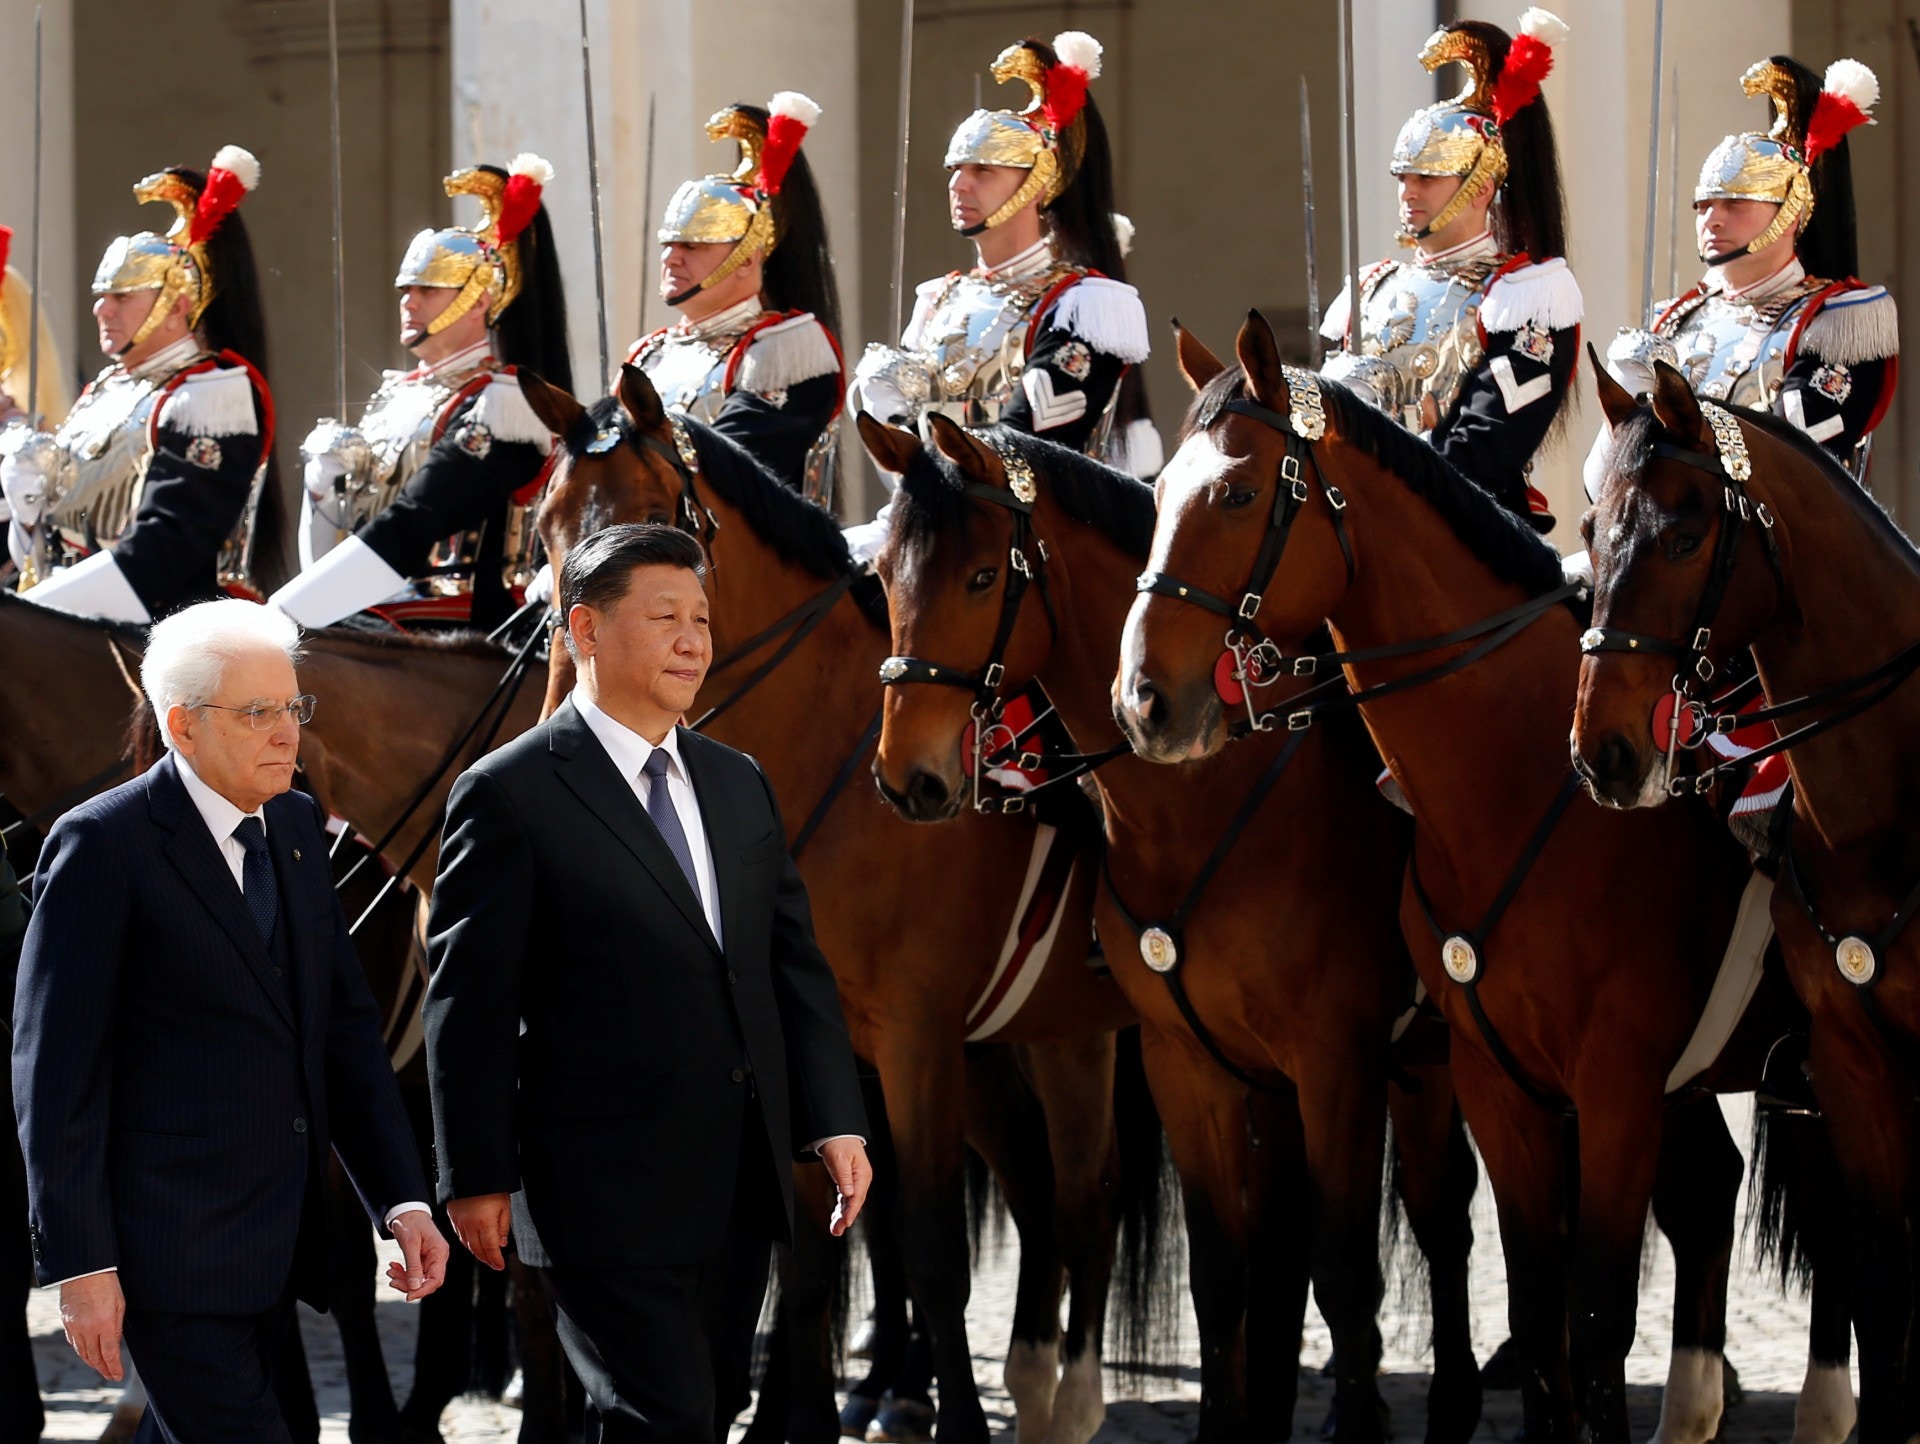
(660,808)
(256,874)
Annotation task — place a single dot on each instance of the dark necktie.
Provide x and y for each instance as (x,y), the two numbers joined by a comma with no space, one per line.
(256,874)
(660,808)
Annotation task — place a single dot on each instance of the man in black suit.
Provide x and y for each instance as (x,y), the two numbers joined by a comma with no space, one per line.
(192,1032)
(630,1029)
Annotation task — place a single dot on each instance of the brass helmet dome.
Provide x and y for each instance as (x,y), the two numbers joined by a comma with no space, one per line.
(1777,165)
(742,206)
(176,264)
(485,259)
(1462,136)
(1046,138)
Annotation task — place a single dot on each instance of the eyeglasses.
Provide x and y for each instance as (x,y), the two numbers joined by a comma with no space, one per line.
(264,717)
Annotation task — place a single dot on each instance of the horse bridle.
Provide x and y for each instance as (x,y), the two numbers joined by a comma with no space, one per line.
(1258,660)
(1026,567)
(1732,467)
(683,456)
(1304,424)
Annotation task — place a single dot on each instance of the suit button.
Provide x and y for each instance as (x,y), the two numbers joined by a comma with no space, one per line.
(277,972)
(739,1075)
(299,1125)
(732,977)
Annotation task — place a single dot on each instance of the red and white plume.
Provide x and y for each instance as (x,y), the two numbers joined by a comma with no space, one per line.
(234,172)
(1528,60)
(790,115)
(6,247)
(1847,93)
(527,177)
(1067,79)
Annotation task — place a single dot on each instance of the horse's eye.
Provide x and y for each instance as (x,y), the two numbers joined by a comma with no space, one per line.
(1681,545)
(658,518)
(1234,500)
(982,579)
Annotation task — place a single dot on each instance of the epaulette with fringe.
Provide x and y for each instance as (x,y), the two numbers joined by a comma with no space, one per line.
(784,352)
(1540,293)
(1107,315)
(1852,323)
(1333,322)
(502,407)
(215,401)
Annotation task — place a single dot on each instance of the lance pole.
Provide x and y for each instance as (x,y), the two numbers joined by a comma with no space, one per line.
(593,197)
(33,282)
(899,258)
(1349,168)
(1306,199)
(339,216)
(1653,158)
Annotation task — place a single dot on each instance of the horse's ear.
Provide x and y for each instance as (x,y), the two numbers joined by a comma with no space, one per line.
(640,401)
(1615,399)
(891,447)
(557,409)
(961,447)
(1674,405)
(1197,363)
(1259,357)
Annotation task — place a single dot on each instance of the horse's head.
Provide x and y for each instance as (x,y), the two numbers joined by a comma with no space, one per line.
(959,563)
(1685,574)
(1242,487)
(618,461)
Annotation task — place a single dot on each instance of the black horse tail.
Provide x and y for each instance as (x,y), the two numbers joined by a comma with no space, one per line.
(1793,1199)
(1144,1307)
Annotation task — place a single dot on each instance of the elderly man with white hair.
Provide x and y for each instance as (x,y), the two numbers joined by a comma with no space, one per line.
(192,1032)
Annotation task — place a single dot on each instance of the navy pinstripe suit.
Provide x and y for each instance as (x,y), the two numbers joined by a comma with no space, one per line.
(177,1080)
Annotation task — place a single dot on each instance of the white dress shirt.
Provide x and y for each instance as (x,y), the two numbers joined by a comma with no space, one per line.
(630,751)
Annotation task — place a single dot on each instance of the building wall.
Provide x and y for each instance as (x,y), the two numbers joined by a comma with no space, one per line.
(58,264)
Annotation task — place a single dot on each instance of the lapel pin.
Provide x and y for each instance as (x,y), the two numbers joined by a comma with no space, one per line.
(296,854)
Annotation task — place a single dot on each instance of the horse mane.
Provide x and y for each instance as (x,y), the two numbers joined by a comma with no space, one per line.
(132,632)
(1635,438)
(800,532)
(1504,542)
(461,643)
(1118,506)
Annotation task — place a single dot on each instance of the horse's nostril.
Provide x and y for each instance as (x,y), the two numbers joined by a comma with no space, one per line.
(1615,762)
(926,793)
(1148,702)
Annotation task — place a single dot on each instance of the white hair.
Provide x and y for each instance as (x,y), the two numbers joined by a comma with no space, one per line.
(188,652)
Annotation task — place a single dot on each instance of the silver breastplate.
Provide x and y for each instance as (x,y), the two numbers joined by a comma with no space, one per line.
(1736,351)
(1416,334)
(974,343)
(101,454)
(689,371)
(398,430)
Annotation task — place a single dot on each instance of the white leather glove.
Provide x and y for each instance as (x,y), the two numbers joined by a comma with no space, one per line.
(540,589)
(321,472)
(25,487)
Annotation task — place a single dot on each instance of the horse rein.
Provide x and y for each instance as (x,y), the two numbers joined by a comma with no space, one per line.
(683,456)
(1026,567)
(1732,467)
(1257,660)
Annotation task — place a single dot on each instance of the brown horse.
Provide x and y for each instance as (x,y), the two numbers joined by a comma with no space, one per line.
(913,920)
(1574,949)
(1799,564)
(1012,556)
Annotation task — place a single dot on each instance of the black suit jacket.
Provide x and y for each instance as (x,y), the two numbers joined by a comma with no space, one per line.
(176,1098)
(592,1049)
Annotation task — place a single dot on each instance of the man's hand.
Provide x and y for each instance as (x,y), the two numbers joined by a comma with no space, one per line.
(92,1309)
(424,1253)
(846,1160)
(481,1223)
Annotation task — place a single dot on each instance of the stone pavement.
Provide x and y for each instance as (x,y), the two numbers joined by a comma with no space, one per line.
(1766,1334)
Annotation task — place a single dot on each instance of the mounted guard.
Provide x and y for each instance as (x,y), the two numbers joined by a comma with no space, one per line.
(744,259)
(1780,322)
(1471,341)
(1042,333)
(144,498)
(425,509)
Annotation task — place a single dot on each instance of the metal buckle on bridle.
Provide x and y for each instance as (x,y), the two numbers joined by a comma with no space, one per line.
(1250,605)
(995,674)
